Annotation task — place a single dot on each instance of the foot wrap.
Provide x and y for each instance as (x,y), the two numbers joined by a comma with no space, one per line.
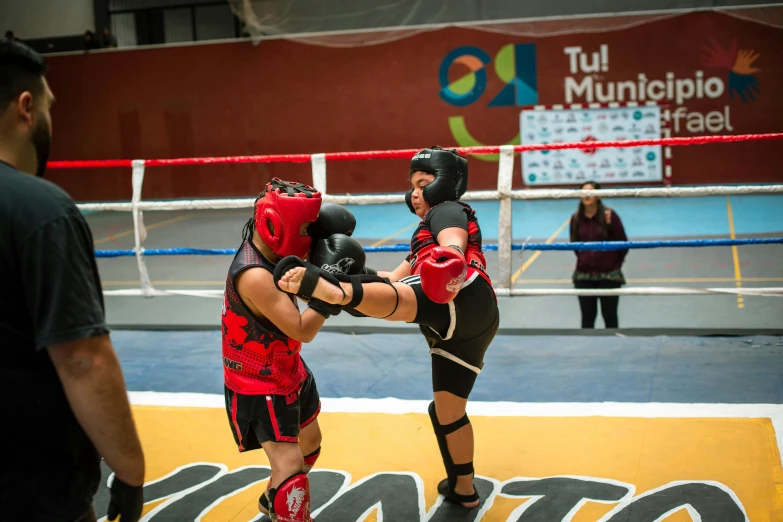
(310,279)
(446,486)
(290,501)
(358,292)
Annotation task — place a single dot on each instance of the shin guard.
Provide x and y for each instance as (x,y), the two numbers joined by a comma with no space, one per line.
(309,460)
(452,470)
(290,501)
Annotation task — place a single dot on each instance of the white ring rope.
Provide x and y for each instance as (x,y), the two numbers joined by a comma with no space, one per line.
(478,195)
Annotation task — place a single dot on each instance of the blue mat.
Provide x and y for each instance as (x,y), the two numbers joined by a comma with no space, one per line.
(517,368)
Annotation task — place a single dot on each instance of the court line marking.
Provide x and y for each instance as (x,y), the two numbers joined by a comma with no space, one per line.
(130,232)
(537,253)
(393,406)
(400,231)
(735,254)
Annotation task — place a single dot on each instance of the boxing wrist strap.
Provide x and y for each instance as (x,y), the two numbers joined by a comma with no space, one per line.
(458,249)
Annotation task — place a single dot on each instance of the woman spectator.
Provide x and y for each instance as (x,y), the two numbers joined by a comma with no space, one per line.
(595,222)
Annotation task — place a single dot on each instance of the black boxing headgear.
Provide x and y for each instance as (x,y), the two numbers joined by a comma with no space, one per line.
(450,171)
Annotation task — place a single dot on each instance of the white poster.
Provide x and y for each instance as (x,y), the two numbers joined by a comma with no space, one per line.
(604,165)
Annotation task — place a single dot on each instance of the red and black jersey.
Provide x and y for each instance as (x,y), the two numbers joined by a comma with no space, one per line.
(258,359)
(446,215)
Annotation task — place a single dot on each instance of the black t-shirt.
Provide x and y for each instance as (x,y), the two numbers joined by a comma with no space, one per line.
(50,293)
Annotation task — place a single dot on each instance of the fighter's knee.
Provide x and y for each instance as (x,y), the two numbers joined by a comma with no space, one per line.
(447,414)
(287,465)
(317,437)
(314,439)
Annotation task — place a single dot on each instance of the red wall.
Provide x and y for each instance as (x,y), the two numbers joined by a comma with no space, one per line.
(290,97)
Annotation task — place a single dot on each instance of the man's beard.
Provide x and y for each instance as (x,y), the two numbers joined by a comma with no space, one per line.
(42,142)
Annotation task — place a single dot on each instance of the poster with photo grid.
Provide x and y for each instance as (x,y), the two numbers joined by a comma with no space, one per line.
(604,165)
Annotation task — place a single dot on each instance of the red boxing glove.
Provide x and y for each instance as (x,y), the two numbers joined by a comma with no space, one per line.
(443,273)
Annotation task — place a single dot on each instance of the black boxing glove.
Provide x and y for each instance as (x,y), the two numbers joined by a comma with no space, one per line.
(338,254)
(125,501)
(332,219)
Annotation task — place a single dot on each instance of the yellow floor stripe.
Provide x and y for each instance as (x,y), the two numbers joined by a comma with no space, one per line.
(400,231)
(537,253)
(125,233)
(735,255)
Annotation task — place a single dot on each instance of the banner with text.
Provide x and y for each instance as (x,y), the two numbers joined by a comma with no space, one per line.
(606,165)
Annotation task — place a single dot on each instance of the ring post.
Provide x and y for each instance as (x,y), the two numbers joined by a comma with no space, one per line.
(505,233)
(139,231)
(318,162)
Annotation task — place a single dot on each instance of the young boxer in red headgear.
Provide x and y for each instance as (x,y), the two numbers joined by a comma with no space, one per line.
(272,400)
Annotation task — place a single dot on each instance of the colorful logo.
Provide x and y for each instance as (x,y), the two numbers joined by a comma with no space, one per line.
(515,64)
(738,63)
(471,85)
(463,81)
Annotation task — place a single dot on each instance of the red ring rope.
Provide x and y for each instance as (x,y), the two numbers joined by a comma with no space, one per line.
(407,153)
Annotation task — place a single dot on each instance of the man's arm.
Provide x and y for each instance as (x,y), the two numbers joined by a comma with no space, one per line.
(257,287)
(63,294)
(95,387)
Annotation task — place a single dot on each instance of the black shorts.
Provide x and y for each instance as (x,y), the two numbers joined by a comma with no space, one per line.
(459,331)
(255,419)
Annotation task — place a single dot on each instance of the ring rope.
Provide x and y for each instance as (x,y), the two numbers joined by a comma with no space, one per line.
(488,195)
(407,153)
(602,246)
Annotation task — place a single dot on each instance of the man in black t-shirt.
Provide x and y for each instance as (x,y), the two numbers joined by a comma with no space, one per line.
(63,401)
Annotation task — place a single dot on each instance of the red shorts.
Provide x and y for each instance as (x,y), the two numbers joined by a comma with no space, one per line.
(255,419)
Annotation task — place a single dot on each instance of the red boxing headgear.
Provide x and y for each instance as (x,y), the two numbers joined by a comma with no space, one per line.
(282,207)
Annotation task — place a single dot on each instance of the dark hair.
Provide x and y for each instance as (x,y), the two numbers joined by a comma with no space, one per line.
(600,215)
(21,69)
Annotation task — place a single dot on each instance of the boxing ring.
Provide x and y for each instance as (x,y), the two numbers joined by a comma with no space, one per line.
(568,427)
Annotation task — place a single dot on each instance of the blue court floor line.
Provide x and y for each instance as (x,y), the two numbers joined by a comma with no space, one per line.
(517,368)
(641,217)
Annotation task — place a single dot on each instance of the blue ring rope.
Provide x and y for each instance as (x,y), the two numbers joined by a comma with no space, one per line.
(404,247)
